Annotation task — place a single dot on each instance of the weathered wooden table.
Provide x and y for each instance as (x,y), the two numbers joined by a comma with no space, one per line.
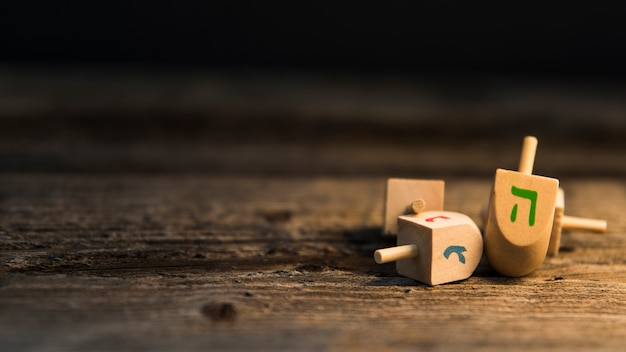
(241,212)
(195,262)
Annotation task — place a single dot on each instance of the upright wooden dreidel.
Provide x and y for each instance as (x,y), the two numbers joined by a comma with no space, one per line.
(520,217)
(566,222)
(435,247)
(405,196)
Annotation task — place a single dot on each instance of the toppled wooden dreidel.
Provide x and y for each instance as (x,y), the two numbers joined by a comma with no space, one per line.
(566,222)
(520,217)
(401,196)
(435,247)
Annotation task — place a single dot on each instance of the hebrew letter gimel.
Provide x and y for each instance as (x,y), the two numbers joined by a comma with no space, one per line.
(530,195)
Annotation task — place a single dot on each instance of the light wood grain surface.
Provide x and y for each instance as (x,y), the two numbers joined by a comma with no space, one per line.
(200,262)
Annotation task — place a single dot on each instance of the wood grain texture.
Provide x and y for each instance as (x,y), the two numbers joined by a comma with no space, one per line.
(197,262)
(81,119)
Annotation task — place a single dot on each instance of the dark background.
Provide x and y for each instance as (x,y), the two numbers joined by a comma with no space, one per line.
(310,88)
(417,36)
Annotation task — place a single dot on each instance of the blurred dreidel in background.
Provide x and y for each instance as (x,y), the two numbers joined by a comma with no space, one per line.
(435,247)
(561,222)
(404,196)
(520,217)
(566,222)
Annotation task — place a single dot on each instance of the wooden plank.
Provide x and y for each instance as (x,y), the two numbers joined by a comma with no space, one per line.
(197,262)
(310,123)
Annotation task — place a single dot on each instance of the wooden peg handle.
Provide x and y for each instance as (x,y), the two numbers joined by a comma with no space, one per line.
(418,206)
(527,160)
(393,254)
(576,223)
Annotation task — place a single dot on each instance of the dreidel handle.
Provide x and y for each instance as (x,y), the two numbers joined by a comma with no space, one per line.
(527,159)
(418,206)
(576,223)
(393,254)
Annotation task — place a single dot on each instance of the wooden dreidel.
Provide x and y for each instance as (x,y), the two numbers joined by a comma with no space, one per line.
(401,196)
(566,222)
(435,247)
(520,217)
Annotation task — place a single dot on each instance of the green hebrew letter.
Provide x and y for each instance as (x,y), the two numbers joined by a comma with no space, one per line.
(530,195)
